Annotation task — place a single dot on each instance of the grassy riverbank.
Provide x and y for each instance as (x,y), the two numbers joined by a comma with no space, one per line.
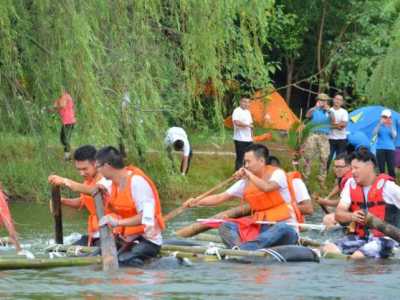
(27,162)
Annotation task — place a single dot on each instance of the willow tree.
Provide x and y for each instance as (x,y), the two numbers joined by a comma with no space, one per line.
(160,52)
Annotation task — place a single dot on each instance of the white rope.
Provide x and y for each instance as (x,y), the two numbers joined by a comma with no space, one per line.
(27,254)
(213,250)
(274,254)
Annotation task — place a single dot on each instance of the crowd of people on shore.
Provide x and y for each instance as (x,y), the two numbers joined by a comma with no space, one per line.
(278,200)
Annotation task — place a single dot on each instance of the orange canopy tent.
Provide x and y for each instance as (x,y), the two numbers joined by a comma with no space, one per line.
(270,111)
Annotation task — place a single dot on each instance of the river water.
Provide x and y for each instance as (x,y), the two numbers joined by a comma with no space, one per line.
(329,279)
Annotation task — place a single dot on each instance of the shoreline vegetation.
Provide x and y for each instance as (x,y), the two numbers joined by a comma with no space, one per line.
(27,163)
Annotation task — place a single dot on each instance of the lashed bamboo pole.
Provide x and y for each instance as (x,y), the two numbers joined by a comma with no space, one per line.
(384,227)
(196,228)
(45,263)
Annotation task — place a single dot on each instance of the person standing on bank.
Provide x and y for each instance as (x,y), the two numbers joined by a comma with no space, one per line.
(316,146)
(242,130)
(65,107)
(386,134)
(177,139)
(338,134)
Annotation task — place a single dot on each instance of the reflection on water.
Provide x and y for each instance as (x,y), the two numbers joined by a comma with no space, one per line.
(167,279)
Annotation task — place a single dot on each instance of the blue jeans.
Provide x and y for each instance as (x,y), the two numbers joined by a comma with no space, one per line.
(269,236)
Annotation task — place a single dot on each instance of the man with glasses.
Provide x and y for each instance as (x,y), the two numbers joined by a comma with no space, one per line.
(133,207)
(342,169)
(85,164)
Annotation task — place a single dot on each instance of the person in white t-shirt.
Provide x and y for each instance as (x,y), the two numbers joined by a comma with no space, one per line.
(366,192)
(303,198)
(258,185)
(338,134)
(242,130)
(177,139)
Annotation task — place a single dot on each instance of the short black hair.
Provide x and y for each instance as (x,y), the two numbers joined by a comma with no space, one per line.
(363,154)
(178,145)
(344,156)
(110,155)
(273,159)
(85,152)
(259,151)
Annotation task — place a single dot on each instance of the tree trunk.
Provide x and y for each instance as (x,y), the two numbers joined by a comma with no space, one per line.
(289,78)
(319,45)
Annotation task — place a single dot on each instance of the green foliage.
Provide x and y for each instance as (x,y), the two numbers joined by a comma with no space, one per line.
(298,133)
(160,52)
(381,84)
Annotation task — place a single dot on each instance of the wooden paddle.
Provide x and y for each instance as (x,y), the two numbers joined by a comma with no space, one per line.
(177,211)
(57,214)
(391,231)
(107,241)
(323,207)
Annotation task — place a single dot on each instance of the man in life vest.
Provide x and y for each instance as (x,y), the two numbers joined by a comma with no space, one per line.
(132,207)
(65,107)
(342,169)
(301,200)
(85,164)
(265,189)
(366,192)
(135,208)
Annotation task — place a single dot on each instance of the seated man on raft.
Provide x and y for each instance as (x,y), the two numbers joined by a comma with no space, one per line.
(85,164)
(132,207)
(301,199)
(265,189)
(342,169)
(366,192)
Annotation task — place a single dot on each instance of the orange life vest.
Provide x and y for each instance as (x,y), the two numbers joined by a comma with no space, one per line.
(88,202)
(293,201)
(266,206)
(122,204)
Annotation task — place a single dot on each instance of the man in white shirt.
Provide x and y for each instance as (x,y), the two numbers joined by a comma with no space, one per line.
(177,139)
(303,198)
(266,190)
(242,130)
(338,134)
(366,192)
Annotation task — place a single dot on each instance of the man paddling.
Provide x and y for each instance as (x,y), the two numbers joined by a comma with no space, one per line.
(265,189)
(134,205)
(342,169)
(370,193)
(85,164)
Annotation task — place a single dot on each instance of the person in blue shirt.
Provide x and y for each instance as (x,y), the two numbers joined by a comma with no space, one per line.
(316,146)
(385,133)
